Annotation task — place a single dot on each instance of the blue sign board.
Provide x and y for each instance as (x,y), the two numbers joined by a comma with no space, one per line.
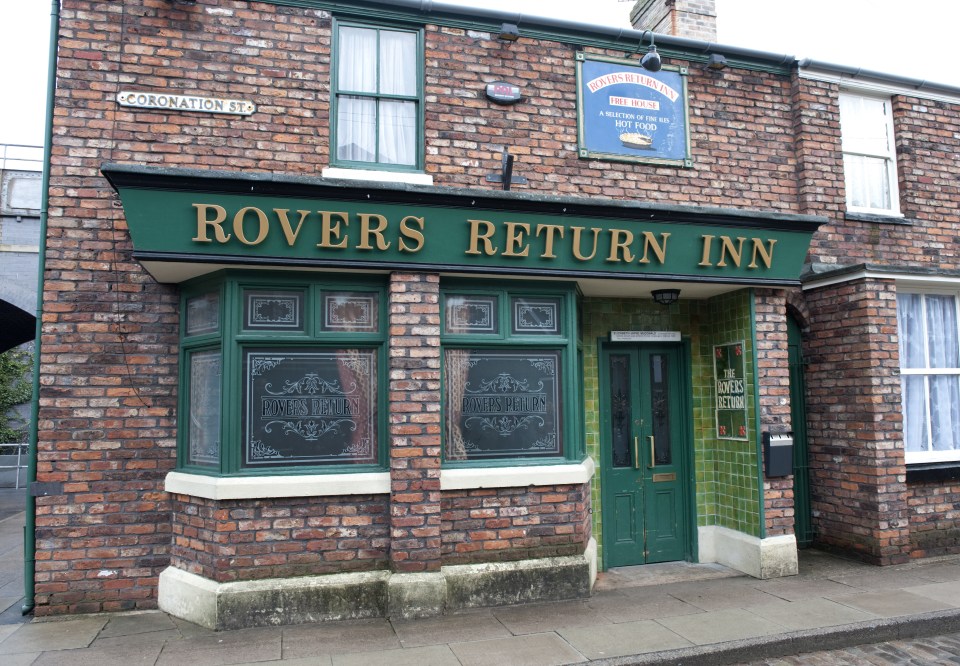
(630,114)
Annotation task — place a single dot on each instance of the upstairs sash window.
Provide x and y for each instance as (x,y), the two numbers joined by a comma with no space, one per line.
(377,97)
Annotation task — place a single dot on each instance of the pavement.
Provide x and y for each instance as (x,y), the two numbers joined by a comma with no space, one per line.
(678,613)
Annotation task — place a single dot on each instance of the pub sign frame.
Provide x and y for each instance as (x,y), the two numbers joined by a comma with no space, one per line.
(628,114)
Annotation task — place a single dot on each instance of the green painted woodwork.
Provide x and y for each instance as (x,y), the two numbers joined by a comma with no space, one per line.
(231,340)
(219,218)
(376,96)
(506,340)
(802,515)
(648,509)
(724,472)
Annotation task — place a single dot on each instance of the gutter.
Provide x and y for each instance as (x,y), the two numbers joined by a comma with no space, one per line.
(30,528)
(849,73)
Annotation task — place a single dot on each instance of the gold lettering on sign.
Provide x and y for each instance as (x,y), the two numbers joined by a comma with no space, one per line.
(203,223)
(765,256)
(707,244)
(577,231)
(618,246)
(476,238)
(551,229)
(330,229)
(290,233)
(726,246)
(515,239)
(650,243)
(407,231)
(263,225)
(366,231)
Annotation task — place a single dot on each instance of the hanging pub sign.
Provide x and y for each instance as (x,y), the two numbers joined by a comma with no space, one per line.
(731,390)
(627,113)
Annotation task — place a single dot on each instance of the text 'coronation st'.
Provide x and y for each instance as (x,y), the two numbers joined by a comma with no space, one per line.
(373,232)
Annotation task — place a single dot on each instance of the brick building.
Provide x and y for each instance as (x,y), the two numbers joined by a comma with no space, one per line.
(365,308)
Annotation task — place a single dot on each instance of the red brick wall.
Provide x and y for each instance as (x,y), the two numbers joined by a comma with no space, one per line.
(251,539)
(773,374)
(493,525)
(415,422)
(934,518)
(857,472)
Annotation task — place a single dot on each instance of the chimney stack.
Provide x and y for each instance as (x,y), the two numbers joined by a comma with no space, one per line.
(693,19)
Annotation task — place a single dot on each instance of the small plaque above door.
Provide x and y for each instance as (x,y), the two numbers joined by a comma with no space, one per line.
(644,336)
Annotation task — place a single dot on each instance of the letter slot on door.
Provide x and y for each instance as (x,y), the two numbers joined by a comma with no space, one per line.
(778,453)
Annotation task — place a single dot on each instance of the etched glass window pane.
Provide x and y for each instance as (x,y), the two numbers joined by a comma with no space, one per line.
(659,396)
(621,417)
(204,409)
(356,311)
(265,310)
(203,314)
(502,404)
(309,407)
(535,316)
(468,313)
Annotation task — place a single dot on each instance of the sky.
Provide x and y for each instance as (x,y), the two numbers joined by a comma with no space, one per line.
(878,35)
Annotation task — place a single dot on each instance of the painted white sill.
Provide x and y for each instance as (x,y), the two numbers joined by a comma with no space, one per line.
(268,487)
(514,477)
(370,483)
(378,176)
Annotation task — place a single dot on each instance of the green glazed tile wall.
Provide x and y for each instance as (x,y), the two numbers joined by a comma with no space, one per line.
(727,491)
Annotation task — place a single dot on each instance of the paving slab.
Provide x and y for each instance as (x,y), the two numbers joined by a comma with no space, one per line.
(660,574)
(881,580)
(948,593)
(939,572)
(430,655)
(893,603)
(795,588)
(22,659)
(537,618)
(317,660)
(711,597)
(620,640)
(228,647)
(137,623)
(453,628)
(306,640)
(529,650)
(631,606)
(53,635)
(810,613)
(122,655)
(721,626)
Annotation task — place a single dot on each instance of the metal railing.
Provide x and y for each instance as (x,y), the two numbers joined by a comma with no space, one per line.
(21,158)
(15,453)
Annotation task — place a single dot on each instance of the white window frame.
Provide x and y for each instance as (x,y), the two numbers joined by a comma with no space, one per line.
(852,148)
(930,456)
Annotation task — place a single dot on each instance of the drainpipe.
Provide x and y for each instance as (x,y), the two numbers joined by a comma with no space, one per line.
(30,529)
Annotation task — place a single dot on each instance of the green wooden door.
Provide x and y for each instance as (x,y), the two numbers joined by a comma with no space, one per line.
(802,521)
(643,435)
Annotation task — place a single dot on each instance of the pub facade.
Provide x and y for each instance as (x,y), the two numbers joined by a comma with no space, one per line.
(363,309)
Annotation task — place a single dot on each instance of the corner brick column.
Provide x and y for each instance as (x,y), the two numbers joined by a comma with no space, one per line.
(773,373)
(414,404)
(854,422)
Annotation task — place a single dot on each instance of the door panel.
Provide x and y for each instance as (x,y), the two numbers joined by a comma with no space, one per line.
(644,485)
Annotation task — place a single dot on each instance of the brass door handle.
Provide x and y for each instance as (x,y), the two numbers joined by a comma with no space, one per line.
(636,453)
(653,457)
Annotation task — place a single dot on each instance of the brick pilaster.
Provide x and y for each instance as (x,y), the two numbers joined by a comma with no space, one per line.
(414,422)
(773,373)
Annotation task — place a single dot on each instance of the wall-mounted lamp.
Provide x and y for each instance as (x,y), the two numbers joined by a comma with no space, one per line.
(716,61)
(651,60)
(665,296)
(509,32)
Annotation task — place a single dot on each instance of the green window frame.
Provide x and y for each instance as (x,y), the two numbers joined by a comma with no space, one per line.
(376,111)
(282,375)
(512,380)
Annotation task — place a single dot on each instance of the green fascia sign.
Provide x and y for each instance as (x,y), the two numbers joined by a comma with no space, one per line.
(190,216)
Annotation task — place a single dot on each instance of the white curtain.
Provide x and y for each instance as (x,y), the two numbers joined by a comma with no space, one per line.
(944,390)
(358,129)
(931,402)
